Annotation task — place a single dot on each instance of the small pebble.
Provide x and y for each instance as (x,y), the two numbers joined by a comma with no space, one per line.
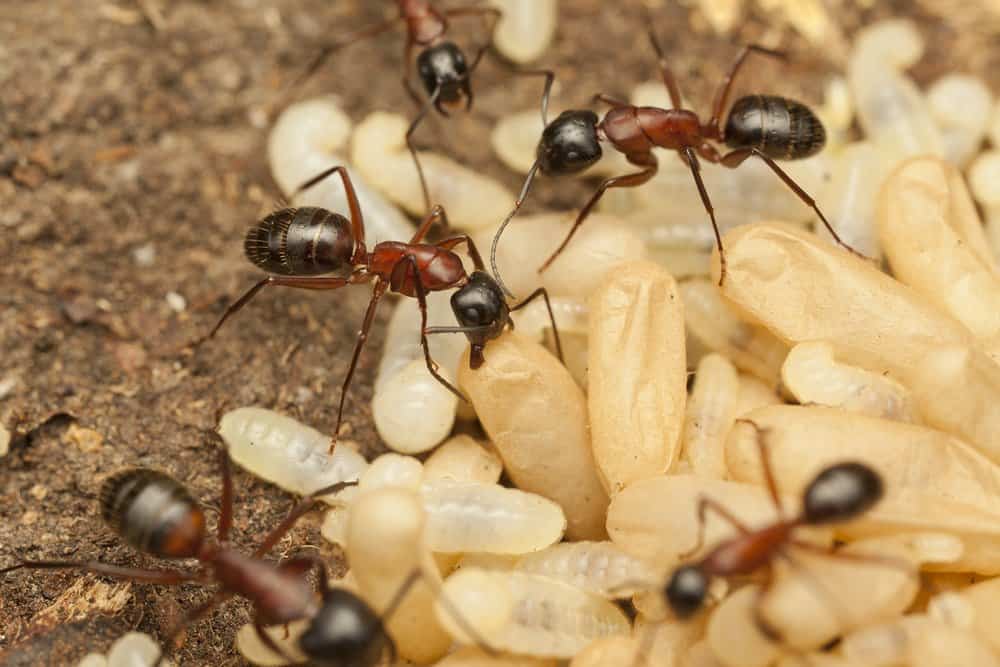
(176,302)
(145,255)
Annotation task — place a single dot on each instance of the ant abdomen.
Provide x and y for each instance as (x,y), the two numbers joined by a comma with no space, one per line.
(780,128)
(153,513)
(303,241)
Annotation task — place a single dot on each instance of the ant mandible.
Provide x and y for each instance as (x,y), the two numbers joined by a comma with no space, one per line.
(299,244)
(837,494)
(441,64)
(156,514)
(768,127)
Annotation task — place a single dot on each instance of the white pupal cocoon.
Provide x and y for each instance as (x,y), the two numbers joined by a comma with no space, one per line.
(134,649)
(250,646)
(286,452)
(917,640)
(596,567)
(412,411)
(311,137)
(961,105)
(466,517)
(379,152)
(892,111)
(527,613)
(526,28)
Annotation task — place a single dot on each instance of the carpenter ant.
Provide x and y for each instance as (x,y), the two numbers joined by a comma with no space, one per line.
(442,66)
(156,514)
(300,244)
(770,128)
(837,494)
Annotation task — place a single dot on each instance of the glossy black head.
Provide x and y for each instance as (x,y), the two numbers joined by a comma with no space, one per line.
(686,591)
(480,306)
(841,492)
(305,241)
(154,513)
(569,143)
(345,633)
(443,68)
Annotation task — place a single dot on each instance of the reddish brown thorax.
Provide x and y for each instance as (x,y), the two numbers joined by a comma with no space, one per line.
(439,269)
(635,130)
(746,554)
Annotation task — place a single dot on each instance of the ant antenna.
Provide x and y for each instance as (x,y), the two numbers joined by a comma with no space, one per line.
(503,225)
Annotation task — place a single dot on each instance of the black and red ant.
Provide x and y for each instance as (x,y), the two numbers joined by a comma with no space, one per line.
(764,126)
(441,64)
(839,493)
(297,245)
(156,514)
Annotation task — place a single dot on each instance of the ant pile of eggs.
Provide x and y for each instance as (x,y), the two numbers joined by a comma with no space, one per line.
(841,422)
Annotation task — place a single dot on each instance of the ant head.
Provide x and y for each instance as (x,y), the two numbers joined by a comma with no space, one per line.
(154,513)
(443,68)
(841,492)
(344,632)
(480,307)
(570,143)
(686,591)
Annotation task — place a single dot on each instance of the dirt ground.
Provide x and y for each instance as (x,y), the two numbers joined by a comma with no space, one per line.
(131,160)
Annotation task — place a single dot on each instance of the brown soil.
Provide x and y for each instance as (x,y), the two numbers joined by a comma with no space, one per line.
(131,159)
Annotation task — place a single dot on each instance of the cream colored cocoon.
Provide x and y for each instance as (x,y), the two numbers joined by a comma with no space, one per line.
(637,374)
(536,416)
(936,244)
(803,289)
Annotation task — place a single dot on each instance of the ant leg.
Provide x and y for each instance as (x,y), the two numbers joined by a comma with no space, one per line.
(705,504)
(871,559)
(270,643)
(422,302)
(722,96)
(302,282)
(226,501)
(366,325)
(665,73)
(446,602)
(627,181)
(432,101)
(542,292)
(735,158)
(357,219)
(163,577)
(610,101)
(449,244)
(192,617)
(436,213)
(297,512)
(692,160)
(765,462)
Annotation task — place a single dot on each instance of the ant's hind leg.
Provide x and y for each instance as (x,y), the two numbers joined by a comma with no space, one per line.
(735,158)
